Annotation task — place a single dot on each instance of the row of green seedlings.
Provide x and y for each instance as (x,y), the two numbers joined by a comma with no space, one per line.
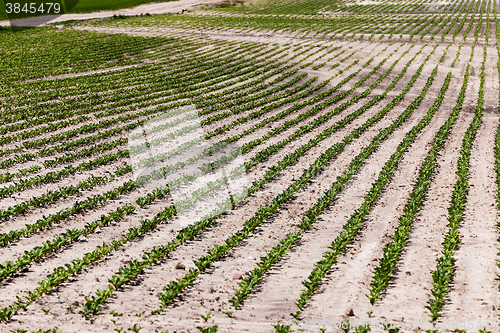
(5,177)
(52,196)
(173,289)
(55,175)
(342,60)
(48,90)
(322,56)
(434,25)
(8,268)
(497,158)
(420,23)
(69,109)
(480,23)
(87,205)
(497,23)
(393,250)
(422,26)
(442,276)
(47,86)
(342,123)
(79,207)
(329,59)
(488,23)
(82,88)
(472,18)
(26,65)
(441,17)
(62,273)
(456,57)
(86,152)
(435,32)
(454,23)
(275,254)
(106,123)
(460,26)
(190,95)
(62,193)
(194,69)
(181,81)
(86,90)
(122,141)
(355,222)
(284,126)
(92,305)
(264,121)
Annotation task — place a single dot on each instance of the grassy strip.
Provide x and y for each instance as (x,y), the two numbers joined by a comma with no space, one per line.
(393,250)
(443,274)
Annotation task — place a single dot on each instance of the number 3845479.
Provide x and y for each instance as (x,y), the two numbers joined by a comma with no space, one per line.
(32,8)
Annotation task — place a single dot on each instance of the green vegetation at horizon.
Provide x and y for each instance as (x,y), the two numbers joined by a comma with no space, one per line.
(89,6)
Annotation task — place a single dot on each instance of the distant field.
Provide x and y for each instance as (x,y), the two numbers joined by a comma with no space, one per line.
(88,6)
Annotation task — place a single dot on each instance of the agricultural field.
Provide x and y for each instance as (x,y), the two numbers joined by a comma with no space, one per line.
(253,166)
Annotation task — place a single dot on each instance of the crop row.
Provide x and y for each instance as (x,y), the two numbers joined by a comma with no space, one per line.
(392,251)
(443,274)
(277,253)
(62,273)
(92,306)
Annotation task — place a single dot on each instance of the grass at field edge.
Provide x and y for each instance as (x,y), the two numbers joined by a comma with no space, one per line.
(89,6)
